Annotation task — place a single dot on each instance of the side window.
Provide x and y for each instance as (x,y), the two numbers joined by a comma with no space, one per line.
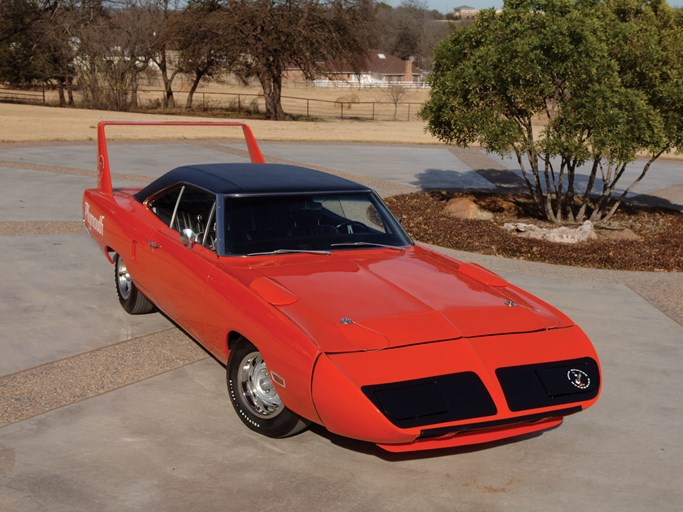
(164,206)
(189,208)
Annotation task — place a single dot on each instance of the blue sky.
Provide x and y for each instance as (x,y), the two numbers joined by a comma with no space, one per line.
(446,6)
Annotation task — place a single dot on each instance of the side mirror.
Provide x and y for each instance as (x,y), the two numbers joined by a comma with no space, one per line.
(188,238)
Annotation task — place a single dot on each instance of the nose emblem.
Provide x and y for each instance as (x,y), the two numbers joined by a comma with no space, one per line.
(510,304)
(578,378)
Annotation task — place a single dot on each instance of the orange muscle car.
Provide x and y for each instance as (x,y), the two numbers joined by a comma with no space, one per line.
(324,310)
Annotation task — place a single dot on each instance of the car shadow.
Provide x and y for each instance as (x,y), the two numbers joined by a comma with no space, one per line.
(368,448)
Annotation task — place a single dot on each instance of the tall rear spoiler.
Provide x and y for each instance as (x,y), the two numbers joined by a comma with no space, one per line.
(104,172)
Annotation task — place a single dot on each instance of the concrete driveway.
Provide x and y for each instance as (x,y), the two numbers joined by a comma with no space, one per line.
(104,411)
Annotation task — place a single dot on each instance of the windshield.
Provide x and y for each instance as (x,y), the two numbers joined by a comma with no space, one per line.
(300,223)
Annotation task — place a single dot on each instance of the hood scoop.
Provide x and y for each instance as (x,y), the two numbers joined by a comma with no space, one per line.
(272,292)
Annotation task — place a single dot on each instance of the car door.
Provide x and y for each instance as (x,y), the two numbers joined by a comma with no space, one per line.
(178,253)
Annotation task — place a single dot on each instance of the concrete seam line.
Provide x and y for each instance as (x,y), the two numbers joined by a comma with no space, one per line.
(40,227)
(31,392)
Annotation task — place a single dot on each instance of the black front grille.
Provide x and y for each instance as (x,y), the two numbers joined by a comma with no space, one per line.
(487,425)
(542,385)
(414,403)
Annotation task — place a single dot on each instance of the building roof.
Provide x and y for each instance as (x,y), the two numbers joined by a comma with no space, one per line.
(384,64)
(376,62)
(251,179)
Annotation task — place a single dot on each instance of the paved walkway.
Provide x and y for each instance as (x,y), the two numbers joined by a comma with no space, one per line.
(99,409)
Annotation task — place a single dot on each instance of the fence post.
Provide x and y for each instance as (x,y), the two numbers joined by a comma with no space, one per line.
(239,104)
(408,119)
(373,110)
(342,110)
(308,101)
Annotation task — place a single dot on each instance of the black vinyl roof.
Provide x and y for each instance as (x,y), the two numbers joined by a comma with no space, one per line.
(251,179)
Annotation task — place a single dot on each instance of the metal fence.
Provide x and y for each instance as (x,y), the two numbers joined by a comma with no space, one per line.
(16,96)
(344,107)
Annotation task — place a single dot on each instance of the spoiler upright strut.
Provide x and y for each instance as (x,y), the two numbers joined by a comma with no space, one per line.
(104,184)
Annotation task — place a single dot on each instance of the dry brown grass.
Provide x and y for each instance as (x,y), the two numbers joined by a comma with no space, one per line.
(26,123)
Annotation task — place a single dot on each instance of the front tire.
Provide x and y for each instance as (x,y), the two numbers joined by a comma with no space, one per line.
(130,297)
(254,397)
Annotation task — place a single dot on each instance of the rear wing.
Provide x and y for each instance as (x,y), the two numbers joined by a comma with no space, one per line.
(104,172)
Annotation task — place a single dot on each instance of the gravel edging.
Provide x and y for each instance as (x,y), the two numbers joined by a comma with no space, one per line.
(52,385)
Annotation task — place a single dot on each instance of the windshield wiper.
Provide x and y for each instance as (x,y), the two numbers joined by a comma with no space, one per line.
(367,244)
(288,251)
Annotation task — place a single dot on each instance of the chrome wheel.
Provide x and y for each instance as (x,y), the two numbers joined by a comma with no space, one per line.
(123,280)
(254,396)
(130,297)
(256,390)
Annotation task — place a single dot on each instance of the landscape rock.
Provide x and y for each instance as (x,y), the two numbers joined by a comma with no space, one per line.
(466,208)
(619,234)
(562,235)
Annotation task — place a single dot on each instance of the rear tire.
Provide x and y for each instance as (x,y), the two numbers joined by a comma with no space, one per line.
(254,397)
(130,297)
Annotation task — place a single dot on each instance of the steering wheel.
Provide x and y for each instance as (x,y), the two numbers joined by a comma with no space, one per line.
(352,226)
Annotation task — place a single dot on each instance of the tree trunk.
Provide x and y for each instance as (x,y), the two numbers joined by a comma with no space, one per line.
(618,202)
(532,156)
(271,82)
(70,90)
(568,200)
(198,75)
(520,161)
(60,92)
(134,90)
(581,215)
(548,205)
(169,99)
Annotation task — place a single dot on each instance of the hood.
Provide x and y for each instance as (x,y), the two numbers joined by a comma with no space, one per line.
(390,299)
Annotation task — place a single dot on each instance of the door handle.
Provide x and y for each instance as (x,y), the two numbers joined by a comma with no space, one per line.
(153,245)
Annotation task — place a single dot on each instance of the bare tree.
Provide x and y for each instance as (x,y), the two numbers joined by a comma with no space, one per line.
(276,35)
(396,93)
(59,43)
(36,42)
(164,40)
(204,49)
(18,17)
(113,51)
(409,30)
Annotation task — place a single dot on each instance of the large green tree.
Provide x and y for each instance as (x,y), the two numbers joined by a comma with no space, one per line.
(561,84)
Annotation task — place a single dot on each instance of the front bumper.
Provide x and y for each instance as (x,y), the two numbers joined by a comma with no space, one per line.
(457,392)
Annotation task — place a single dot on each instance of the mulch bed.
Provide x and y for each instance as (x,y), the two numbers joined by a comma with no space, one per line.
(659,249)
